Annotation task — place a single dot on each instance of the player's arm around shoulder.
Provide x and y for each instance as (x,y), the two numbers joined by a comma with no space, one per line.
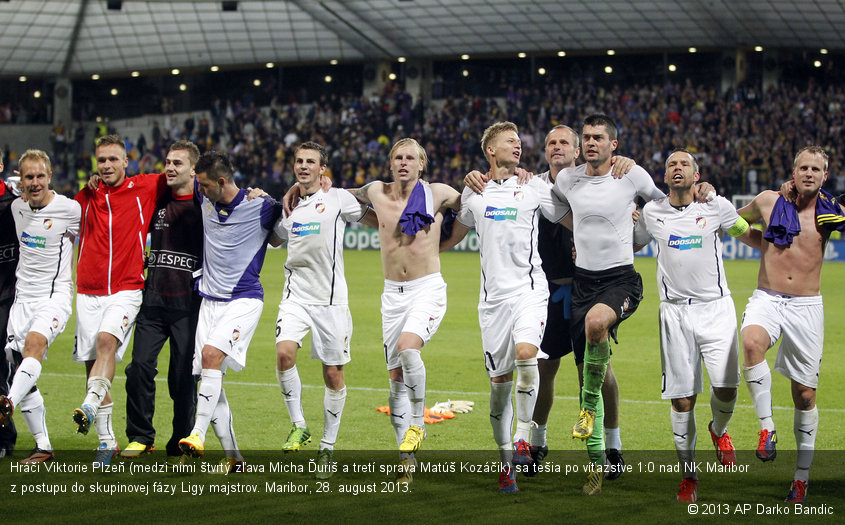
(642,234)
(463,222)
(445,196)
(759,209)
(74,217)
(369,192)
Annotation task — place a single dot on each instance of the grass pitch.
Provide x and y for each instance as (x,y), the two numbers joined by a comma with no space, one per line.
(455,371)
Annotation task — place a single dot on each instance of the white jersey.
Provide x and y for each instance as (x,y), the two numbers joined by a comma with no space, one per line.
(505,216)
(46,243)
(689,247)
(314,233)
(601,213)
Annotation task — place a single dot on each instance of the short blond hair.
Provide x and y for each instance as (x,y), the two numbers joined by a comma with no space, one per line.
(494,131)
(813,150)
(36,155)
(410,142)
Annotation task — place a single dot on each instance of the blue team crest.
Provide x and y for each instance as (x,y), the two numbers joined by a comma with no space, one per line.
(701,222)
(500,214)
(301,230)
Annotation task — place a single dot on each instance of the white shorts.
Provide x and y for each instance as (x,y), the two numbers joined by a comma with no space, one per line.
(800,319)
(518,319)
(330,326)
(692,333)
(416,307)
(48,318)
(113,314)
(229,327)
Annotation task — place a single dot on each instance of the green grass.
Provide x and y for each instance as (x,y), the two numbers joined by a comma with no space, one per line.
(456,370)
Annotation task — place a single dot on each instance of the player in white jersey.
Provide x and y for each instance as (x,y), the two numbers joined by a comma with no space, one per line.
(315,299)
(236,232)
(514,292)
(697,315)
(46,224)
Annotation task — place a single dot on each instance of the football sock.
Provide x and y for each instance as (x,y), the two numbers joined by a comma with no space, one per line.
(413,374)
(683,430)
(805,426)
(24,380)
(207,396)
(759,381)
(722,412)
(501,418)
(333,401)
(527,383)
(595,366)
(595,443)
(612,439)
(103,424)
(538,436)
(291,387)
(34,413)
(222,422)
(400,409)
(98,387)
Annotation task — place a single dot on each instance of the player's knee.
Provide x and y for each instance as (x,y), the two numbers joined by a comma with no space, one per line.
(106,344)
(212,358)
(683,404)
(724,394)
(804,397)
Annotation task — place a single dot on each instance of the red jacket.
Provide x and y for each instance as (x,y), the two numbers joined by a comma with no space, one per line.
(113,234)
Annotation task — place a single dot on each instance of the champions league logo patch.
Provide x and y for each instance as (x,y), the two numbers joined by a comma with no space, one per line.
(518,195)
(47,224)
(701,222)
(320,207)
(161,213)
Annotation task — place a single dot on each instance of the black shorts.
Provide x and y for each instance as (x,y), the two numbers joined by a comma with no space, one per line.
(620,288)
(558,338)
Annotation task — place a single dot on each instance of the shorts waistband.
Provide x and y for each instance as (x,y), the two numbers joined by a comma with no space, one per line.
(695,300)
(408,286)
(618,271)
(794,299)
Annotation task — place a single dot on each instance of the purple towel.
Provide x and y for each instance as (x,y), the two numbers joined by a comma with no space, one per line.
(419,212)
(784,225)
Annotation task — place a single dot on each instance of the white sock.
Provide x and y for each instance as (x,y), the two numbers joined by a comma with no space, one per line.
(538,436)
(413,375)
(207,396)
(291,387)
(98,387)
(683,429)
(33,412)
(400,409)
(333,401)
(759,381)
(501,413)
(527,383)
(103,424)
(24,380)
(612,439)
(805,427)
(722,412)
(224,430)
